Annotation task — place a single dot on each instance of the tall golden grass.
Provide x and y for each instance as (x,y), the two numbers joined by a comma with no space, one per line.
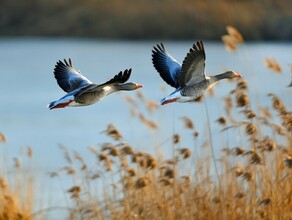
(254,181)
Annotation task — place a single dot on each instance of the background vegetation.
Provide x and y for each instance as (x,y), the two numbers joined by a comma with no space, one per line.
(146,19)
(248,181)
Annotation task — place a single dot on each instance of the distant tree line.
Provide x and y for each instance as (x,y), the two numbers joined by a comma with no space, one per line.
(147,19)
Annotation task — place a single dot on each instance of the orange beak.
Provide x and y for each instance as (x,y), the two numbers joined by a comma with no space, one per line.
(237,74)
(138,86)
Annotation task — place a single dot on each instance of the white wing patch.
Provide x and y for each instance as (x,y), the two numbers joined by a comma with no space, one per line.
(106,88)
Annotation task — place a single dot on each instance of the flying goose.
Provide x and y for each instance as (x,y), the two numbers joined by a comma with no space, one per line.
(188,79)
(81,91)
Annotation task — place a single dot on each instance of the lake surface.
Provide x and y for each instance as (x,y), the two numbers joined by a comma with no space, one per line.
(27,85)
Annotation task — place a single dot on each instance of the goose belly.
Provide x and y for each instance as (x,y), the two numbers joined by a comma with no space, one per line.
(190,93)
(88,98)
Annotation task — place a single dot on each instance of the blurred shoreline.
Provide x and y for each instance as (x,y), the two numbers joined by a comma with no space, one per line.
(146,19)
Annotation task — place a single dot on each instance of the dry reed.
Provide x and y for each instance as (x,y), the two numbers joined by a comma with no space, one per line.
(255,176)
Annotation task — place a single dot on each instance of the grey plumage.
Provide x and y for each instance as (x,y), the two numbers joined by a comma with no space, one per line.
(189,79)
(81,91)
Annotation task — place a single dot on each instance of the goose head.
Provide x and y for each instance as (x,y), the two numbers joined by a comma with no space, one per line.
(231,74)
(129,86)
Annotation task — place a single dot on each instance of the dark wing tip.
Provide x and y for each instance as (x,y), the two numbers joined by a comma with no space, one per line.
(121,77)
(126,75)
(162,61)
(68,63)
(200,47)
(129,71)
(61,69)
(64,64)
(158,52)
(158,48)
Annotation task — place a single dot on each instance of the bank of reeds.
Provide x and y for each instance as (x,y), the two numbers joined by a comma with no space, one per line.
(254,181)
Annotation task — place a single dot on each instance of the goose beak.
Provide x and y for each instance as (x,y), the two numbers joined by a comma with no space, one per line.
(138,86)
(236,74)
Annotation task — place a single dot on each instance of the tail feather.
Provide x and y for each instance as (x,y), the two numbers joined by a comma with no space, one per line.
(61,103)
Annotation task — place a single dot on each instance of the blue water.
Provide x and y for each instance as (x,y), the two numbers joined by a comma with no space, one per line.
(27,85)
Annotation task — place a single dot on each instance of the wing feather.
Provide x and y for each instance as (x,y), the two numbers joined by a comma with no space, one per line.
(193,67)
(68,78)
(167,67)
(121,77)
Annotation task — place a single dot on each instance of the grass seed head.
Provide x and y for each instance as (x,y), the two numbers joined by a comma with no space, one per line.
(242,85)
(78,157)
(230,45)
(106,146)
(185,152)
(255,159)
(279,129)
(188,123)
(238,151)
(242,99)
(172,161)
(265,202)
(268,144)
(29,152)
(250,129)
(102,156)
(152,105)
(239,195)
(53,174)
(272,64)
(142,182)
(114,152)
(287,121)
(94,176)
(128,150)
(131,172)
(3,183)
(2,138)
(131,101)
(248,176)
(277,104)
(113,132)
(108,165)
(150,162)
(176,138)
(265,112)
(200,99)
(196,134)
(239,172)
(66,154)
(74,191)
(235,34)
(216,200)
(69,170)
(149,123)
(211,91)
(16,163)
(140,96)
(288,161)
(249,113)
(84,167)
(165,181)
(221,121)
(169,173)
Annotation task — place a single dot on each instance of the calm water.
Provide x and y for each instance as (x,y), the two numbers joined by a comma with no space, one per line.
(27,85)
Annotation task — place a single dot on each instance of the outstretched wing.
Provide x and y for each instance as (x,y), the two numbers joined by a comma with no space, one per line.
(193,67)
(167,67)
(121,77)
(68,78)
